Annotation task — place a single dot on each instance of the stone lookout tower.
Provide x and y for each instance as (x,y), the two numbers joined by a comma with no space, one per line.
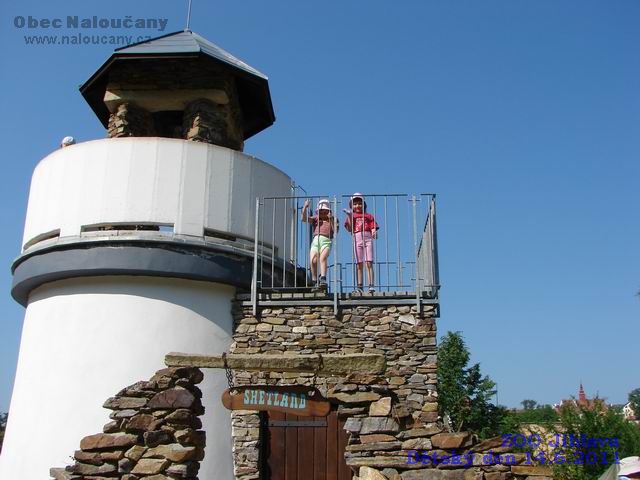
(134,245)
(165,237)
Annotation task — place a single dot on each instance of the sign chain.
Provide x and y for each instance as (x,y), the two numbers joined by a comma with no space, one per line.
(227,370)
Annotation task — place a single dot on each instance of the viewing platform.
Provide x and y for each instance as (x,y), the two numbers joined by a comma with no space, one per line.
(404,250)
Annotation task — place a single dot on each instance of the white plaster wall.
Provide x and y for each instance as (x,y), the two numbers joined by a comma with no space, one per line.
(85,339)
(191,185)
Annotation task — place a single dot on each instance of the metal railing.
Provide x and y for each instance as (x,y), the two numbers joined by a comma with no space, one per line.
(405,249)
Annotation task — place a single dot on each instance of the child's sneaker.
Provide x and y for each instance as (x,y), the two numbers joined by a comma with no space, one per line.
(357,291)
(372,290)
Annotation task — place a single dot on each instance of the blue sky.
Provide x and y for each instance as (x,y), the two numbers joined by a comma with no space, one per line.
(524,118)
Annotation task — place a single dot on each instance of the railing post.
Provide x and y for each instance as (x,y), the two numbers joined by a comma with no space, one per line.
(293,230)
(434,250)
(284,246)
(399,260)
(386,245)
(415,250)
(335,259)
(254,276)
(294,240)
(273,240)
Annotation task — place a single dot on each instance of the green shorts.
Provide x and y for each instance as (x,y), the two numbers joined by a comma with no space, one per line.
(319,243)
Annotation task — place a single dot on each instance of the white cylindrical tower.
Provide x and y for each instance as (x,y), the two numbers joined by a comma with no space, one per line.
(134,245)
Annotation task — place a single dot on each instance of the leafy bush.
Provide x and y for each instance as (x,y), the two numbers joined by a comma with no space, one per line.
(588,460)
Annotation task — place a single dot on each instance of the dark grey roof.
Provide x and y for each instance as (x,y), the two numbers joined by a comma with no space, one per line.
(253,86)
(186,42)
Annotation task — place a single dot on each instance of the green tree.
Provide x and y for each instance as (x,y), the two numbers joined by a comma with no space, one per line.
(453,357)
(464,394)
(634,398)
(541,415)
(594,422)
(528,404)
(617,408)
(3,426)
(544,416)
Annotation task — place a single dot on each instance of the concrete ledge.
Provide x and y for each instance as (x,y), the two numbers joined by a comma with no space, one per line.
(128,258)
(151,257)
(330,364)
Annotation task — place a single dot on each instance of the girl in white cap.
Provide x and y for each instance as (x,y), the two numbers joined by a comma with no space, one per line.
(324,228)
(364,228)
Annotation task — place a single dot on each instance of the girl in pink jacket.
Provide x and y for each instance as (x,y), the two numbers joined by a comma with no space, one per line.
(364,228)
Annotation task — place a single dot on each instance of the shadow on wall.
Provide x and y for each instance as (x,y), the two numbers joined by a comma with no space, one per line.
(202,298)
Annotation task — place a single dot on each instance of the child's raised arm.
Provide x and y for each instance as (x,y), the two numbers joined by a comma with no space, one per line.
(304,211)
(347,221)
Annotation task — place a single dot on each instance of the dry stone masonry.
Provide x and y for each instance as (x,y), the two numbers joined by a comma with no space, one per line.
(387,416)
(391,418)
(206,121)
(130,120)
(154,433)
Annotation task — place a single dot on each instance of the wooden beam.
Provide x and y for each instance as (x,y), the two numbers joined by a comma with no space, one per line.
(330,364)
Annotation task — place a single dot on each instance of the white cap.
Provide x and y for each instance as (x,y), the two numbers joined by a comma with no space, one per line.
(629,465)
(66,141)
(324,204)
(354,196)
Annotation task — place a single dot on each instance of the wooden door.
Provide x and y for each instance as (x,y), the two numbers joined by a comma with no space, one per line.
(304,448)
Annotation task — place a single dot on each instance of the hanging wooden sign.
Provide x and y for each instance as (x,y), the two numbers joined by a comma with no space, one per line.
(296,399)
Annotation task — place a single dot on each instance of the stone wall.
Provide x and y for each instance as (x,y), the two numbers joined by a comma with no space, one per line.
(387,416)
(208,122)
(154,433)
(130,121)
(379,408)
(392,419)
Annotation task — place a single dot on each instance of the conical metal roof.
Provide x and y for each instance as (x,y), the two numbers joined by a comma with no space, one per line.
(187,41)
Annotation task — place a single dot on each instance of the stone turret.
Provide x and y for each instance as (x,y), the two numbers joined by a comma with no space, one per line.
(180,86)
(134,246)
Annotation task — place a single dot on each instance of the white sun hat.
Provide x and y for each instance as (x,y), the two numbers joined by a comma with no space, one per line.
(629,465)
(323,204)
(357,195)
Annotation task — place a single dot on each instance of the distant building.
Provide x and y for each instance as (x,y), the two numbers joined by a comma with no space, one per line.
(583,402)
